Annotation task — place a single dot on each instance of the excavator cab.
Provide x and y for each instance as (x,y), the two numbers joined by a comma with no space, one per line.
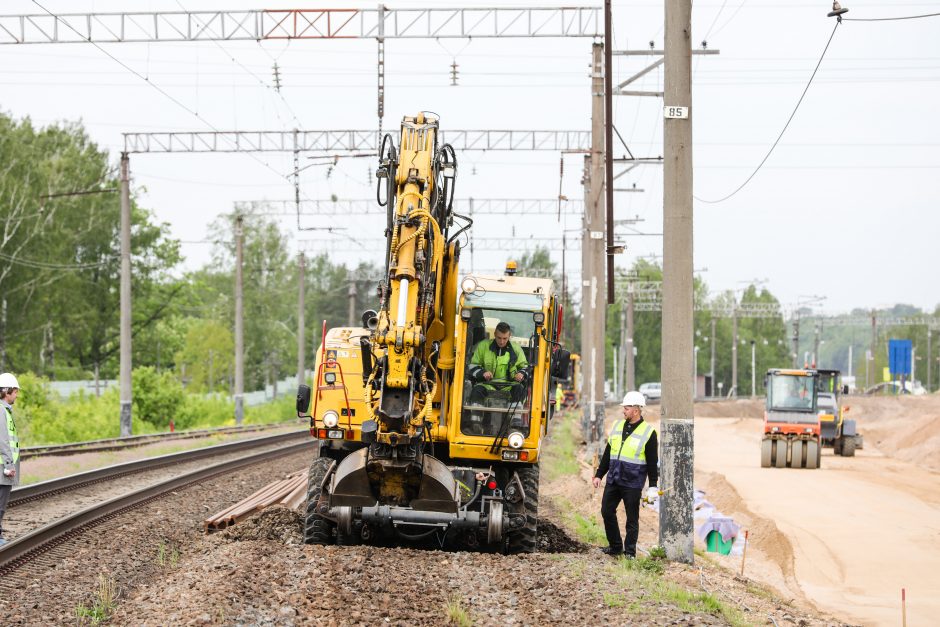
(500,349)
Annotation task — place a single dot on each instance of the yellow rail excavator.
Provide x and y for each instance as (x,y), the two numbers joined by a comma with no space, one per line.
(431,415)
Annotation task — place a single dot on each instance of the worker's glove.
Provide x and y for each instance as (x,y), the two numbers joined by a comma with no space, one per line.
(652,493)
(9,472)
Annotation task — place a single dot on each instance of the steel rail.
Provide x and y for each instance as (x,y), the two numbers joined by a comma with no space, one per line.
(36,491)
(131,441)
(18,552)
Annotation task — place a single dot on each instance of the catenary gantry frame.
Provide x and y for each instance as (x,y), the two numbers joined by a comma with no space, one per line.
(256,25)
(286,24)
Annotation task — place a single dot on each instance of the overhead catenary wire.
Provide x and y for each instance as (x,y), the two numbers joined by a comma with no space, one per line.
(252,74)
(162,91)
(890,19)
(785,126)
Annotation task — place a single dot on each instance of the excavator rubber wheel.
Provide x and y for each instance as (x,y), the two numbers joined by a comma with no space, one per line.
(766,449)
(796,454)
(780,453)
(812,454)
(848,446)
(838,444)
(317,529)
(525,540)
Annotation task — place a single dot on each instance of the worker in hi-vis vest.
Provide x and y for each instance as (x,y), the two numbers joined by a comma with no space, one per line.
(9,443)
(631,456)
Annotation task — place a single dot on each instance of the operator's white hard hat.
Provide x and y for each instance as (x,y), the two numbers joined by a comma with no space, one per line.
(7,380)
(633,399)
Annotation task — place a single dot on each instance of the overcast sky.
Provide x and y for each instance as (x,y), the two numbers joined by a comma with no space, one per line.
(846,206)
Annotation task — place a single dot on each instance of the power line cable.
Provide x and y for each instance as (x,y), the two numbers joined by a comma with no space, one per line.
(44,265)
(785,126)
(889,19)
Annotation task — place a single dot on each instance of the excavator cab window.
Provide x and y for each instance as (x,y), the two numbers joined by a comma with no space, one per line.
(494,400)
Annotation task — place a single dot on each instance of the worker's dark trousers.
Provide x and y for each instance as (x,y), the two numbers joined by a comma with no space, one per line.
(613,494)
(4,498)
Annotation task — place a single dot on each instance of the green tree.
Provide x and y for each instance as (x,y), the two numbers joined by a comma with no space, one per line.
(207,357)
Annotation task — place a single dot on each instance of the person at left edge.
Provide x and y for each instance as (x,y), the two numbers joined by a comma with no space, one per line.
(9,443)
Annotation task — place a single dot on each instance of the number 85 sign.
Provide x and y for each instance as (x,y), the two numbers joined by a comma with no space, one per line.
(676,112)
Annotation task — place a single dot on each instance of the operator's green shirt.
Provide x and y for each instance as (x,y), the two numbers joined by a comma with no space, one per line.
(504,363)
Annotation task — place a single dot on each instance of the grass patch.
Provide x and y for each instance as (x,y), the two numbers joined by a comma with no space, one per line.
(102,606)
(644,565)
(614,599)
(561,447)
(646,574)
(167,555)
(456,614)
(586,528)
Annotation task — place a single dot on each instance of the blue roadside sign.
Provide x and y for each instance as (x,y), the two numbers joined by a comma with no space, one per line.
(899,357)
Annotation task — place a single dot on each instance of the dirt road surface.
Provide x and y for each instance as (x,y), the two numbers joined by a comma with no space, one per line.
(846,537)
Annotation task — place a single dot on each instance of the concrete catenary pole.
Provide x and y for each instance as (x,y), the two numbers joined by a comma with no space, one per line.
(239,324)
(127,426)
(301,347)
(594,309)
(796,340)
(871,351)
(929,358)
(609,148)
(816,339)
(630,357)
(351,293)
(711,368)
(677,452)
(734,350)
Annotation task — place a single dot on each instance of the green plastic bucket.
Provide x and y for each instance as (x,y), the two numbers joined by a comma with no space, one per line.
(715,544)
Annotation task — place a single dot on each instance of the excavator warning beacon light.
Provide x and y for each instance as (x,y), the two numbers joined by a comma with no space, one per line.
(511,268)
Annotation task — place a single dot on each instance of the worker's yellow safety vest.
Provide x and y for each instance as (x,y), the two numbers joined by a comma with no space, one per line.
(628,456)
(14,439)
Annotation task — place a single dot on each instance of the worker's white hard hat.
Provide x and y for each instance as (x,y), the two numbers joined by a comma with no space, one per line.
(7,380)
(634,399)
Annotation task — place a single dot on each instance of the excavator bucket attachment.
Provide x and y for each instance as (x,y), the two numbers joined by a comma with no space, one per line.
(350,486)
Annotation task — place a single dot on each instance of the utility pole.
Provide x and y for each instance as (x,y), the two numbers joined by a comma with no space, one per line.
(593,325)
(127,427)
(929,357)
(351,293)
(608,148)
(677,449)
(817,331)
(734,350)
(871,351)
(211,373)
(711,369)
(796,340)
(239,324)
(301,265)
(630,358)
(753,369)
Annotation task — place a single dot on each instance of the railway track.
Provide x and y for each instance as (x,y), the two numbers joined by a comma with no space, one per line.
(133,441)
(44,489)
(24,549)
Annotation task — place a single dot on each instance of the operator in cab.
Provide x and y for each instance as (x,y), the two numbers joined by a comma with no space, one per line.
(495,361)
(631,456)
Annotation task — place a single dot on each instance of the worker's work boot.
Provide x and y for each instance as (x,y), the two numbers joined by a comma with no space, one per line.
(612,552)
